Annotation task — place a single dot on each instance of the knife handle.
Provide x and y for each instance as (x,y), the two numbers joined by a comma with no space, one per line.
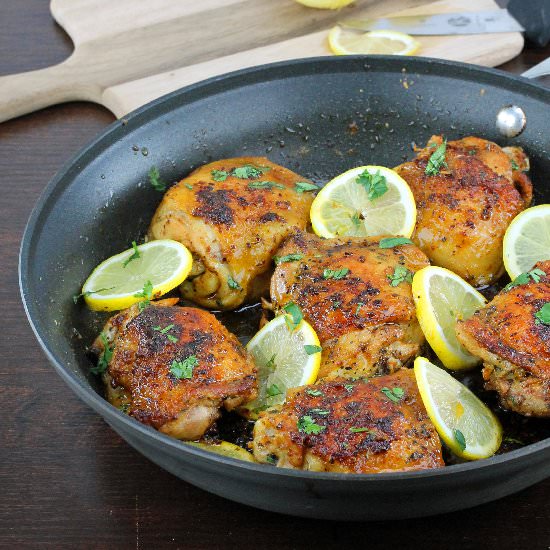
(26,92)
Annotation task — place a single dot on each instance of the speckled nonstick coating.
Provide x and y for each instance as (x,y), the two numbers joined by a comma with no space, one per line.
(318,117)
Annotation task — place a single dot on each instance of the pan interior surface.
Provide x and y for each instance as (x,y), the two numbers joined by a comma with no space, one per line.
(317,117)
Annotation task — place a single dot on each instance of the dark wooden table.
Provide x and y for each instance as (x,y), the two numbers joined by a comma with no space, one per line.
(66,479)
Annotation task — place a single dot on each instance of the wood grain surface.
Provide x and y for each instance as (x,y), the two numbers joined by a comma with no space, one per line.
(129,52)
(67,480)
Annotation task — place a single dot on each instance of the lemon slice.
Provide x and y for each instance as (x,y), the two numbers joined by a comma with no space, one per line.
(351,205)
(115,282)
(383,42)
(464,422)
(285,359)
(527,240)
(442,298)
(224,448)
(325,4)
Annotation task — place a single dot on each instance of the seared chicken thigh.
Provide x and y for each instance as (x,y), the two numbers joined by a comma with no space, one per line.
(465,207)
(174,367)
(357,296)
(512,336)
(365,426)
(232,215)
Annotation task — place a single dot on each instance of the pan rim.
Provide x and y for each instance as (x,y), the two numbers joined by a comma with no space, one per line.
(211,87)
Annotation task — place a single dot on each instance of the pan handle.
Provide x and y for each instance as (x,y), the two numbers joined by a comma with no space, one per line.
(26,92)
(541,69)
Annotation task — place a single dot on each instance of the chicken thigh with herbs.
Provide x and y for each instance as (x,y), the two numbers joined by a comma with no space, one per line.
(356,295)
(511,335)
(467,192)
(232,215)
(364,426)
(173,367)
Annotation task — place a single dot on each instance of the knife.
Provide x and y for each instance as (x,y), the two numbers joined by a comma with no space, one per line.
(479,22)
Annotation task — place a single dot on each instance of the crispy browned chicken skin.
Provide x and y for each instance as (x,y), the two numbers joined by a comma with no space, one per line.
(366,326)
(345,426)
(514,345)
(232,225)
(139,373)
(464,210)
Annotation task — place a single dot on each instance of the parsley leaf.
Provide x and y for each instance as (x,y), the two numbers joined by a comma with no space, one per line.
(436,160)
(400,274)
(248,171)
(265,185)
(294,316)
(231,283)
(146,294)
(288,258)
(273,390)
(165,330)
(307,425)
(359,430)
(523,278)
(514,164)
(271,363)
(311,350)
(460,439)
(374,184)
(359,306)
(335,274)
(104,358)
(184,369)
(356,220)
(394,394)
(304,187)
(348,387)
(314,393)
(134,256)
(154,179)
(88,292)
(219,175)
(543,315)
(392,242)
(188,185)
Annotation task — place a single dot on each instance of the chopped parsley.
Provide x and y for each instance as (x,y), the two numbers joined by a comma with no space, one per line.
(307,425)
(125,407)
(271,363)
(249,172)
(394,394)
(513,440)
(320,412)
(523,278)
(146,294)
(360,430)
(436,160)
(514,164)
(294,316)
(348,387)
(273,390)
(219,175)
(184,369)
(542,316)
(105,357)
(265,185)
(356,220)
(335,273)
(359,306)
(400,275)
(288,258)
(375,184)
(460,439)
(154,179)
(311,350)
(76,297)
(165,330)
(304,187)
(314,393)
(188,185)
(134,256)
(272,459)
(231,283)
(392,242)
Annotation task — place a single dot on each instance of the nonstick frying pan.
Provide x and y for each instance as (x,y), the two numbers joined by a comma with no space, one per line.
(318,117)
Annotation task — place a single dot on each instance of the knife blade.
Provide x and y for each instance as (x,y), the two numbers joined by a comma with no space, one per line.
(480,22)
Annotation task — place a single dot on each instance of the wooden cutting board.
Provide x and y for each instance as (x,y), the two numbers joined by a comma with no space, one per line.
(128,52)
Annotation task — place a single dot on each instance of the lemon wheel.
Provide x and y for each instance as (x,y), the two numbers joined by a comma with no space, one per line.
(224,448)
(382,42)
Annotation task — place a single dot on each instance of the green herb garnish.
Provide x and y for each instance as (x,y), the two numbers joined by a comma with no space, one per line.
(543,315)
(154,179)
(105,357)
(134,256)
(184,369)
(436,160)
(514,164)
(307,425)
(271,363)
(320,412)
(394,394)
(249,172)
(165,330)
(374,184)
(76,297)
(314,393)
(400,275)
(359,306)
(360,430)
(188,185)
(304,187)
(231,283)
(392,242)
(460,439)
(146,294)
(348,387)
(311,350)
(219,175)
(272,459)
(294,316)
(265,185)
(273,390)
(335,274)
(523,278)
(356,219)
(288,258)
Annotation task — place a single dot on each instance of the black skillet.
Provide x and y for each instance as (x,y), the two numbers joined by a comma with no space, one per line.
(318,117)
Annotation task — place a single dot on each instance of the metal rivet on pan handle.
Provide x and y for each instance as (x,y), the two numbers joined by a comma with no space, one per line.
(511,121)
